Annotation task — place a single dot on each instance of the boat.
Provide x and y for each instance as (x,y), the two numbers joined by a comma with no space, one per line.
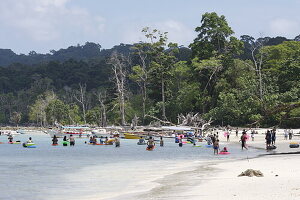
(131,136)
(70,130)
(101,132)
(9,132)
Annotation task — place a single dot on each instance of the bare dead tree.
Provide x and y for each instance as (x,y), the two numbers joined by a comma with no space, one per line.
(258,61)
(80,97)
(119,63)
(141,77)
(101,96)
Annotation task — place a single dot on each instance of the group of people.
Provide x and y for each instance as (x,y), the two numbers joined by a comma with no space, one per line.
(270,138)
(288,134)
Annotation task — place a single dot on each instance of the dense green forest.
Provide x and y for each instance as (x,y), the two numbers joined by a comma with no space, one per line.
(232,81)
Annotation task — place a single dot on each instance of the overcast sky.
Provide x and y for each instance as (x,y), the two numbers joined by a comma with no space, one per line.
(42,25)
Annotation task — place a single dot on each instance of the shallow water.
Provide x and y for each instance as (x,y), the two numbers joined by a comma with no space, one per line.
(100,172)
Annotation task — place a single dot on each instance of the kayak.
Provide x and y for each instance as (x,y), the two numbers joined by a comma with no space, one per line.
(197,146)
(29,145)
(16,142)
(293,145)
(54,144)
(224,153)
(150,149)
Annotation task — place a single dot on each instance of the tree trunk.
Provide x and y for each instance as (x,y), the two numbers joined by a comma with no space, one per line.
(163,99)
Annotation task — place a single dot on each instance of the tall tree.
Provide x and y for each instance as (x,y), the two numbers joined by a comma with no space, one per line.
(212,36)
(119,65)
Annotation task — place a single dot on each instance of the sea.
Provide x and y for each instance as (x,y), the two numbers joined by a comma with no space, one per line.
(88,172)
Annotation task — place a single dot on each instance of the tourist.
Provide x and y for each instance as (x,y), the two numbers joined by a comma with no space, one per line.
(72,140)
(244,139)
(216,147)
(268,139)
(161,143)
(65,141)
(252,135)
(150,143)
(290,134)
(54,140)
(228,135)
(10,138)
(29,140)
(117,141)
(237,132)
(286,134)
(180,141)
(273,137)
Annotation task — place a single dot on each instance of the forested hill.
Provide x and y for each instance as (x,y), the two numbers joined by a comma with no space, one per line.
(84,52)
(242,81)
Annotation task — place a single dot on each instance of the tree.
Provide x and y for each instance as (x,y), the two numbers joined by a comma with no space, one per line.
(80,97)
(57,111)
(140,72)
(212,37)
(38,109)
(119,64)
(162,61)
(16,117)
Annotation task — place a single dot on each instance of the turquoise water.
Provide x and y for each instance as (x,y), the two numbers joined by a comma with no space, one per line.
(95,172)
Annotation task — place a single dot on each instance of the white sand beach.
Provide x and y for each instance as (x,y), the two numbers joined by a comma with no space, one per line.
(281,175)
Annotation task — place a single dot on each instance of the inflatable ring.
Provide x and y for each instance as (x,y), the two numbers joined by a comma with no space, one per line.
(294,145)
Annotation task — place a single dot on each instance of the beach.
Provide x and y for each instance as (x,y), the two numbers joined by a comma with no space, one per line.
(130,172)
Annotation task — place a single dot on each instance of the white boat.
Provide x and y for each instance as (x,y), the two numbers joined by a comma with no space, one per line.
(76,131)
(101,133)
(9,132)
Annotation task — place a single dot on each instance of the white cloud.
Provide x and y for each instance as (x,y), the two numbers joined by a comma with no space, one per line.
(48,20)
(177,32)
(285,27)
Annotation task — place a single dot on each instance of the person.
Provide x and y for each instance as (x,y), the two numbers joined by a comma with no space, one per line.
(252,135)
(273,137)
(150,143)
(161,143)
(216,147)
(228,135)
(29,140)
(106,140)
(101,141)
(65,141)
(244,139)
(237,132)
(54,140)
(224,149)
(290,134)
(286,134)
(10,138)
(208,139)
(180,141)
(268,139)
(141,141)
(117,141)
(91,140)
(72,140)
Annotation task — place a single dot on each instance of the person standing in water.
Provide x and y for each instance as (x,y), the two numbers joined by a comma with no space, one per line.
(273,137)
(216,147)
(65,141)
(54,140)
(161,143)
(180,141)
(10,138)
(72,140)
(117,141)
